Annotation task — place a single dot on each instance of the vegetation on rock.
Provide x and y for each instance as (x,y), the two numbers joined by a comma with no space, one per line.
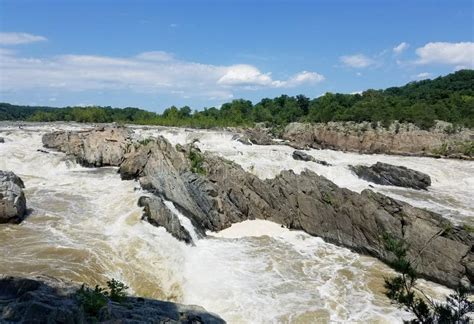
(403,291)
(93,300)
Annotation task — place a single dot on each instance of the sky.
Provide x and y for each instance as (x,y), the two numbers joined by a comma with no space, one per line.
(154,54)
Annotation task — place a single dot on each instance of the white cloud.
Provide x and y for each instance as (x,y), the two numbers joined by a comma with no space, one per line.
(149,72)
(423,75)
(156,56)
(19,38)
(302,78)
(400,48)
(246,75)
(357,61)
(458,54)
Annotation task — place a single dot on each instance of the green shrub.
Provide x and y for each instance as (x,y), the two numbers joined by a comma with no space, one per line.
(92,299)
(117,290)
(197,161)
(403,291)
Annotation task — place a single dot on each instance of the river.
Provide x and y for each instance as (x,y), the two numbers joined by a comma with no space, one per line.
(85,226)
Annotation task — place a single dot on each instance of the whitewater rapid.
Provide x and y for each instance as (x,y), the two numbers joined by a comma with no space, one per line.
(85,226)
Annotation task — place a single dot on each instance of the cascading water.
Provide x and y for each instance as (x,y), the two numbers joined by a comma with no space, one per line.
(85,226)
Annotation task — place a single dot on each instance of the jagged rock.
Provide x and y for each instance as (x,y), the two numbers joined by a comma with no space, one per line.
(223,193)
(302,156)
(12,198)
(158,214)
(392,175)
(403,139)
(97,147)
(258,136)
(48,300)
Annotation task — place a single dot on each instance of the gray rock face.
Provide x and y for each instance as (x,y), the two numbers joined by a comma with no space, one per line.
(224,193)
(158,214)
(392,175)
(97,147)
(302,156)
(12,198)
(402,139)
(46,300)
(258,136)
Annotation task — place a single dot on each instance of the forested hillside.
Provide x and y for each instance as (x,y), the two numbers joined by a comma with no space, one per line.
(449,98)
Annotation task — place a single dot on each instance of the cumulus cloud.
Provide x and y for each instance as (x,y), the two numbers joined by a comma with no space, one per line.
(149,72)
(458,54)
(19,38)
(357,61)
(246,75)
(423,75)
(400,48)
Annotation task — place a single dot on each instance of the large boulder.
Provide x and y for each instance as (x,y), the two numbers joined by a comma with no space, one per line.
(257,136)
(12,198)
(392,175)
(302,156)
(48,300)
(157,213)
(97,147)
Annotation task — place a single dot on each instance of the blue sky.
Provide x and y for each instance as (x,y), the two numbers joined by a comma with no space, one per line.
(153,54)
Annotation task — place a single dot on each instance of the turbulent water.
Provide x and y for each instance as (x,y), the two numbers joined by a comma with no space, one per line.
(85,226)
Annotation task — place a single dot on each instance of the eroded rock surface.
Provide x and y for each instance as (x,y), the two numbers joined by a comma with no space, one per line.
(402,139)
(392,175)
(47,300)
(12,198)
(215,193)
(97,147)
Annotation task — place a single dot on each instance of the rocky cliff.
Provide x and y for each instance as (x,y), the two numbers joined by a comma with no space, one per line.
(405,139)
(214,193)
(47,300)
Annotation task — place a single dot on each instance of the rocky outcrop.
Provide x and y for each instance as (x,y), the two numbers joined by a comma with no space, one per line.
(2,140)
(403,139)
(302,156)
(12,198)
(97,147)
(258,136)
(214,193)
(158,214)
(392,175)
(47,300)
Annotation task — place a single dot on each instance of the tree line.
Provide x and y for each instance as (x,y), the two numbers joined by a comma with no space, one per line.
(449,98)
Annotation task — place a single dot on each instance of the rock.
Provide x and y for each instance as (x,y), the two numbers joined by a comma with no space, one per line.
(12,198)
(42,151)
(302,156)
(48,300)
(2,140)
(222,193)
(402,139)
(97,147)
(392,175)
(258,136)
(158,214)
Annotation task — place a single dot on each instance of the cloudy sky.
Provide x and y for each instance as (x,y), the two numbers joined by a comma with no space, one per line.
(153,54)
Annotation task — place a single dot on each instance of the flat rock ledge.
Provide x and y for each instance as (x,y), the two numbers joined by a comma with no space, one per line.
(48,300)
(393,175)
(12,198)
(214,193)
